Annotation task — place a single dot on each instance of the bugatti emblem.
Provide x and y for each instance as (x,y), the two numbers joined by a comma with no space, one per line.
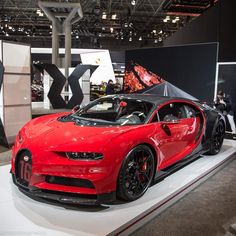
(26,158)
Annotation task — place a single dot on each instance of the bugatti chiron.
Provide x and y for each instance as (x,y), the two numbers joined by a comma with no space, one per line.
(115,147)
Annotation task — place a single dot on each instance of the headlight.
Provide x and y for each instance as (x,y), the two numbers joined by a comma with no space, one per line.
(84,156)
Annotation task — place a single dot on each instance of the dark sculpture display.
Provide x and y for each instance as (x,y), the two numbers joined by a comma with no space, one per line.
(59,81)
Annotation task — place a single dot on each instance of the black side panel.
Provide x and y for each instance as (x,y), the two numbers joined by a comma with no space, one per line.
(3,139)
(212,118)
(59,80)
(73,81)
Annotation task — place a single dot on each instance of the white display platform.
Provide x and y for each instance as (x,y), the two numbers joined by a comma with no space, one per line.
(21,215)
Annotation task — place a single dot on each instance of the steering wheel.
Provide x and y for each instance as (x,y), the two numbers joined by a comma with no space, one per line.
(139,114)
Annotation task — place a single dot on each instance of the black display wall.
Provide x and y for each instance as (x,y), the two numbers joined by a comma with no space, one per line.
(201,30)
(215,25)
(227,81)
(227,36)
(191,68)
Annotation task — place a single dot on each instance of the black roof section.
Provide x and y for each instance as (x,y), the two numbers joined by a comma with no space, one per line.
(156,99)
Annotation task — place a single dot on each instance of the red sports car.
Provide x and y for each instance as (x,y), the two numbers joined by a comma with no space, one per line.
(114,147)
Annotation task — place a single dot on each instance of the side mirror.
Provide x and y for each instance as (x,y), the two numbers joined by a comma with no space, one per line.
(75,109)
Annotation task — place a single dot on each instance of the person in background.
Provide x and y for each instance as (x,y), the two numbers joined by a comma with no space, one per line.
(103,86)
(110,89)
(223,103)
(118,87)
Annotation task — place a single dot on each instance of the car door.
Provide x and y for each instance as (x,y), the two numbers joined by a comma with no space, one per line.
(175,133)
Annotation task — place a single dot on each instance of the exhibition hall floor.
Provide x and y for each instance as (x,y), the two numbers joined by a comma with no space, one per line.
(21,215)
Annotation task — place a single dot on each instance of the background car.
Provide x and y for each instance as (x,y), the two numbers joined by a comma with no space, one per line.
(114,147)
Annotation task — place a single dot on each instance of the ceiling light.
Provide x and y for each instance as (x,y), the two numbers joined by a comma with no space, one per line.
(154,31)
(77,36)
(140,38)
(100,35)
(113,17)
(121,37)
(50,26)
(159,39)
(160,32)
(155,41)
(130,39)
(9,27)
(133,2)
(111,29)
(165,20)
(39,12)
(7,34)
(104,16)
(126,25)
(103,28)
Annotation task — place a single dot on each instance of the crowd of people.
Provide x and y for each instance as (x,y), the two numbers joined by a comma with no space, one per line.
(111,87)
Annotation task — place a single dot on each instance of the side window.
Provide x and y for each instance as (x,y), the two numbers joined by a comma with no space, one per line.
(191,111)
(172,111)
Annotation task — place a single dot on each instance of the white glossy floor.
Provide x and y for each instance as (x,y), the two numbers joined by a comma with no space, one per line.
(20,215)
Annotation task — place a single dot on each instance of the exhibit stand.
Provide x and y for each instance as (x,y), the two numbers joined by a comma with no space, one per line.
(15,95)
(84,82)
(121,218)
(98,59)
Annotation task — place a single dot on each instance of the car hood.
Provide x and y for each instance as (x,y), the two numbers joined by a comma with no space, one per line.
(54,135)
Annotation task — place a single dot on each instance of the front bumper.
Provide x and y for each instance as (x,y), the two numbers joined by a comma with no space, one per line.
(49,176)
(66,197)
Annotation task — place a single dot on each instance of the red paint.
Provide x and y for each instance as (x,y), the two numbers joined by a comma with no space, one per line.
(45,137)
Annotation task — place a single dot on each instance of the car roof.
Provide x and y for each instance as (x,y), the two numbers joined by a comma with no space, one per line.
(153,98)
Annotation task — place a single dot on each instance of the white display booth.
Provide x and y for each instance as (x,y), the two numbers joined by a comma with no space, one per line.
(15,95)
(97,57)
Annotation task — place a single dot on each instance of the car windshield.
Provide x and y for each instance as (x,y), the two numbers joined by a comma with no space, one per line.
(114,111)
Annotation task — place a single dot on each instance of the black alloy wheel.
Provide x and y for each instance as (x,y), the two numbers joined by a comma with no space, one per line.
(217,138)
(136,173)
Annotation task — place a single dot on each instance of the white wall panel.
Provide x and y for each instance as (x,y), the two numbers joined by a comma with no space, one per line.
(15,118)
(16,58)
(16,101)
(17,89)
(102,59)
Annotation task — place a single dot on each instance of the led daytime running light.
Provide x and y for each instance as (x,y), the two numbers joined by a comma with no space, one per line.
(84,155)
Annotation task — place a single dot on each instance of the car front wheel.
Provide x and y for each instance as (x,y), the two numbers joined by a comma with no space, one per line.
(136,173)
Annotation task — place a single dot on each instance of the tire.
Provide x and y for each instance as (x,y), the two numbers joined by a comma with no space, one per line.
(217,139)
(136,173)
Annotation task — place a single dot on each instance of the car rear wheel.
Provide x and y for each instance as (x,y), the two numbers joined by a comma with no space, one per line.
(136,173)
(217,138)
